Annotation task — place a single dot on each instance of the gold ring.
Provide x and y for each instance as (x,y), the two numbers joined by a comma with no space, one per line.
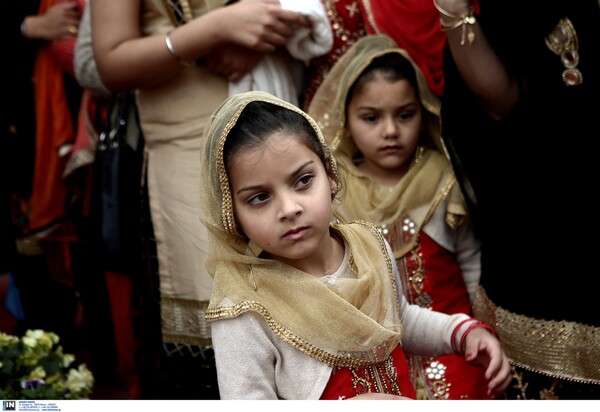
(72,30)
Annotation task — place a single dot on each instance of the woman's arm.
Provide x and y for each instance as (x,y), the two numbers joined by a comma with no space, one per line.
(477,62)
(127,60)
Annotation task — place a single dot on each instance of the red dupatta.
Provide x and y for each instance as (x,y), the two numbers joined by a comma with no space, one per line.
(415,26)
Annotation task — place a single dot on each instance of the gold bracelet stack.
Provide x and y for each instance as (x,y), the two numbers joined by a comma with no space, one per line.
(465,21)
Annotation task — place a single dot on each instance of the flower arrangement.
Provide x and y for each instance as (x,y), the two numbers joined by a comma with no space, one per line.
(35,367)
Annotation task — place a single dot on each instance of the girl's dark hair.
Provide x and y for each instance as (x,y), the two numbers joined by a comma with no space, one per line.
(392,66)
(260,120)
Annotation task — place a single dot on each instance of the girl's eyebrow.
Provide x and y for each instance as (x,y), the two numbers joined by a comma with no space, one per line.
(402,107)
(255,187)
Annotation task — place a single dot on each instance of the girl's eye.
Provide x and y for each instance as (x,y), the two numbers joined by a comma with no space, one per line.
(406,115)
(304,181)
(370,118)
(258,199)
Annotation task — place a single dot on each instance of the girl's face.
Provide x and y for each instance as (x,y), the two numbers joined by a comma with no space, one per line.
(384,119)
(282,199)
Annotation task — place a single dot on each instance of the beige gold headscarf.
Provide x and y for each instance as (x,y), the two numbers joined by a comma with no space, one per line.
(354,323)
(430,178)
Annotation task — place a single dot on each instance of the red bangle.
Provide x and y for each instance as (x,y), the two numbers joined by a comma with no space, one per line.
(455,331)
(477,325)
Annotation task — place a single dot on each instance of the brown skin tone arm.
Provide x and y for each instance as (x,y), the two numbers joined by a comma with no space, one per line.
(478,64)
(123,55)
(54,24)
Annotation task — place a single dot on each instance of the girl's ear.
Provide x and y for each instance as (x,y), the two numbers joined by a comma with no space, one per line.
(347,134)
(333,186)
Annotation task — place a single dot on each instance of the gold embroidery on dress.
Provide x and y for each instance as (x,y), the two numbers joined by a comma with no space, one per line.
(380,378)
(549,393)
(371,16)
(412,273)
(347,36)
(183,321)
(398,234)
(429,377)
(435,374)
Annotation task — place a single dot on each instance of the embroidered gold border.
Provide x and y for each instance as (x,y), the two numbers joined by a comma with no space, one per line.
(183,321)
(560,349)
(344,361)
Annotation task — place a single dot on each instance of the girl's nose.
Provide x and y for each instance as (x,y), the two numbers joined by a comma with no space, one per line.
(390,128)
(289,208)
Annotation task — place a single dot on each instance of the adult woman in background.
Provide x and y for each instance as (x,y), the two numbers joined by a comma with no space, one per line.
(179,57)
(520,119)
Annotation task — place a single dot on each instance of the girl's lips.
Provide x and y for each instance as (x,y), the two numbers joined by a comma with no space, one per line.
(390,149)
(295,234)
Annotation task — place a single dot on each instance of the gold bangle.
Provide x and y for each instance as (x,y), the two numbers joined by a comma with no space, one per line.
(465,21)
(173,53)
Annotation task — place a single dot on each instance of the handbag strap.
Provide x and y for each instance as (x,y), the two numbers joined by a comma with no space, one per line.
(113,131)
(180,11)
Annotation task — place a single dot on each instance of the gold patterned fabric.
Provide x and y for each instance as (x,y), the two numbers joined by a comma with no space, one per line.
(560,349)
(355,323)
(430,178)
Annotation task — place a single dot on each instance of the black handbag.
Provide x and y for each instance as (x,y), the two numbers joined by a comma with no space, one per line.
(118,171)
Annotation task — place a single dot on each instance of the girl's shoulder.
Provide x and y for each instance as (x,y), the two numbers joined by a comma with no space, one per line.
(362,236)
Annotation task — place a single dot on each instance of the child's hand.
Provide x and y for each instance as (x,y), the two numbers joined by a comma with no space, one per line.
(482,347)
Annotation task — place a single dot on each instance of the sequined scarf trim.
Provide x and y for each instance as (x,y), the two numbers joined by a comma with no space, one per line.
(560,349)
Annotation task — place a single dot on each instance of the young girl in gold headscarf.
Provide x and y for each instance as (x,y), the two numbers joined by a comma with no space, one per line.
(382,122)
(303,307)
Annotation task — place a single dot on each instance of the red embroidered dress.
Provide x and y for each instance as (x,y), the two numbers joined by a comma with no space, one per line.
(431,278)
(390,376)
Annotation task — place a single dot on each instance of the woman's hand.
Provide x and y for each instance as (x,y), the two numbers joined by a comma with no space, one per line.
(261,25)
(61,20)
(232,61)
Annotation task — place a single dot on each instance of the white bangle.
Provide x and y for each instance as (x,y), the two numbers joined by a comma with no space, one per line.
(23,29)
(173,53)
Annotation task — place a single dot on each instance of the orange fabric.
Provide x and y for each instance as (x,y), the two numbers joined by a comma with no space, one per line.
(63,51)
(54,127)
